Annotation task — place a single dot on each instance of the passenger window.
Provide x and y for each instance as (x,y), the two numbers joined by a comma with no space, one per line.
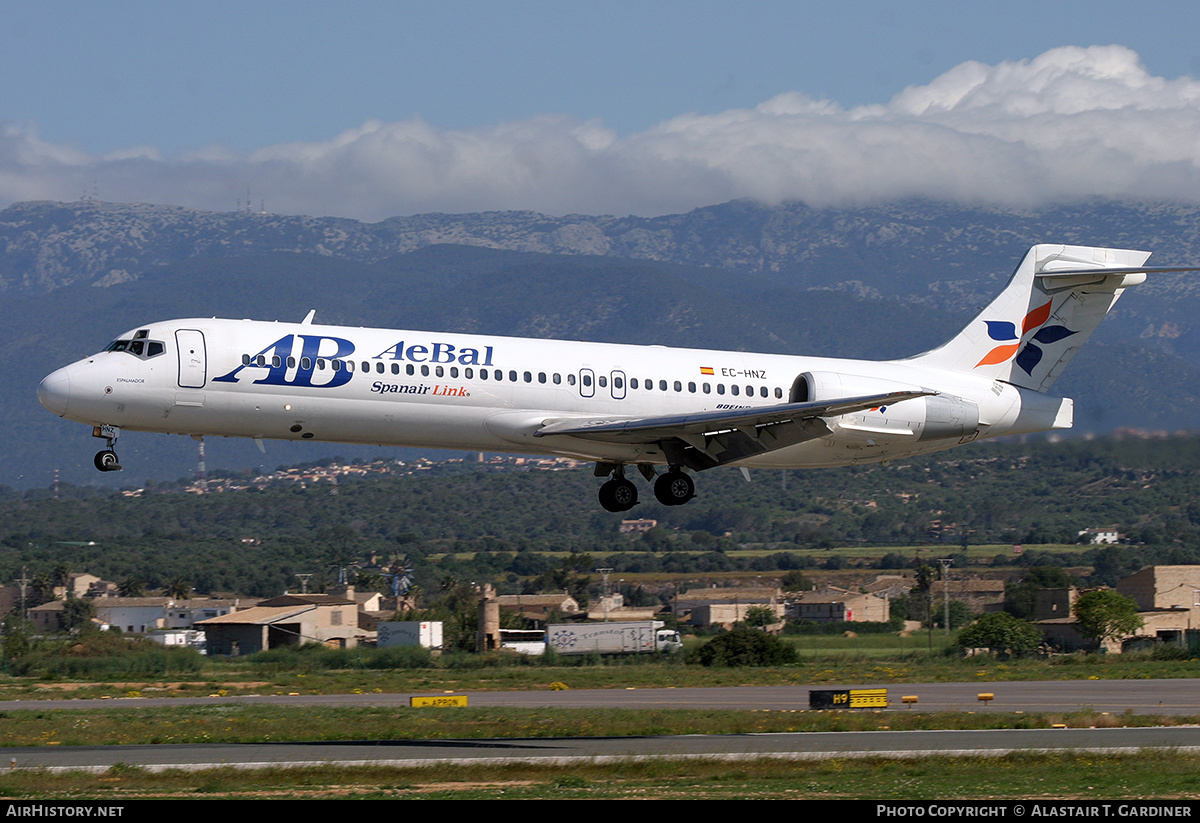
(557,378)
(618,383)
(512,377)
(603,381)
(260,360)
(469,373)
(424,371)
(662,385)
(678,386)
(633,382)
(691,387)
(762,392)
(587,380)
(439,371)
(570,380)
(778,393)
(410,369)
(291,362)
(336,365)
(483,374)
(306,363)
(734,390)
(454,371)
(320,364)
(706,388)
(528,377)
(245,358)
(395,368)
(541,377)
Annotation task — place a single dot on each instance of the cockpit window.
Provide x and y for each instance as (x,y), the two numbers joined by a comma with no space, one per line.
(139,347)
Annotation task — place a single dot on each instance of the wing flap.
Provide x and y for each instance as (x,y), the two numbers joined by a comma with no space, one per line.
(706,439)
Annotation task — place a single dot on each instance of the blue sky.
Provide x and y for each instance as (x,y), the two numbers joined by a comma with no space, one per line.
(367,109)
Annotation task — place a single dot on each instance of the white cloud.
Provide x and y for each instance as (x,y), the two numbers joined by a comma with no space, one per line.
(1072,122)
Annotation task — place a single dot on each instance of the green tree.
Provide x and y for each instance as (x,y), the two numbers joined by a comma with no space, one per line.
(746,647)
(178,588)
(1106,614)
(795,581)
(759,616)
(78,613)
(131,587)
(17,633)
(1001,633)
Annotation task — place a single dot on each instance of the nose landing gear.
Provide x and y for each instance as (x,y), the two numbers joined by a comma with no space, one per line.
(106,460)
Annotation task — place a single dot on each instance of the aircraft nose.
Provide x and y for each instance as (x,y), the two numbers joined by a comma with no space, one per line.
(55,391)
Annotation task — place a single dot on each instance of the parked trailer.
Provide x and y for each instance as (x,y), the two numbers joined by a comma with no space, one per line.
(641,637)
(427,633)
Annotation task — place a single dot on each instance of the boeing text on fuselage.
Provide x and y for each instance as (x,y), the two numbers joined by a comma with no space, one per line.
(668,413)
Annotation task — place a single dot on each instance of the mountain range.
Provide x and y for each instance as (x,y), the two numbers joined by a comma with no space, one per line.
(877,282)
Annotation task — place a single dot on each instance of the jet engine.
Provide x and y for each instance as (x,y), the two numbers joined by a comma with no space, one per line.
(934,417)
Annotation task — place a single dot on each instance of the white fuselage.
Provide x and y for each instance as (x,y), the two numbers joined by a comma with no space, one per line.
(298,381)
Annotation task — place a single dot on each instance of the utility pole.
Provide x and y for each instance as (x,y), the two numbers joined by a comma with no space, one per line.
(946,563)
(604,592)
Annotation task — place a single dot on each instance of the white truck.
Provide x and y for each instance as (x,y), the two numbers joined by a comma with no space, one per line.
(640,637)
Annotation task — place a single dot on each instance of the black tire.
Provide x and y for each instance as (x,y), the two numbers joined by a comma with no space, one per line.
(618,495)
(674,488)
(106,461)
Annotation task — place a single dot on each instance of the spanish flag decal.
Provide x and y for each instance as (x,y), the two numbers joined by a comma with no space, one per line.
(706,370)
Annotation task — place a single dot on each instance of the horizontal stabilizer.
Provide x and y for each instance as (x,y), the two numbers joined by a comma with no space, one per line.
(1055,299)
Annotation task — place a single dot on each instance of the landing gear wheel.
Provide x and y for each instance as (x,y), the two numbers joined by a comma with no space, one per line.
(106,461)
(618,495)
(674,488)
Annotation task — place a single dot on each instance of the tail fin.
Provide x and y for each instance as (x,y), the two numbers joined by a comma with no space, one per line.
(1055,299)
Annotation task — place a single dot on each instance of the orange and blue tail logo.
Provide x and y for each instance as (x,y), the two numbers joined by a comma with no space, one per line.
(1027,357)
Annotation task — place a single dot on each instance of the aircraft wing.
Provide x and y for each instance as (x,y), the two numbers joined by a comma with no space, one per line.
(703,440)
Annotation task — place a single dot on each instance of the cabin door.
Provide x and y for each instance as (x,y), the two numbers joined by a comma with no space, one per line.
(193,368)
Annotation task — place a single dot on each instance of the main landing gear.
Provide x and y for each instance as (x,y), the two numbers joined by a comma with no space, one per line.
(674,488)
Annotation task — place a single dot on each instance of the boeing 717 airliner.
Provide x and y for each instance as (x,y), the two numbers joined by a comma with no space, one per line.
(620,406)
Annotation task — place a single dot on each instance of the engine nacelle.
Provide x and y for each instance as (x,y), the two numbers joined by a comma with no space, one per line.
(934,417)
(948,417)
(817,386)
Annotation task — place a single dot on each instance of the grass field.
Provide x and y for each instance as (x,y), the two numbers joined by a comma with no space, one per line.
(1026,777)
